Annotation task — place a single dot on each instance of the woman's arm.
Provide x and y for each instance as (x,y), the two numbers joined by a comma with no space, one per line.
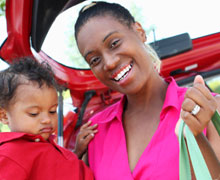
(212,134)
(214,140)
(197,122)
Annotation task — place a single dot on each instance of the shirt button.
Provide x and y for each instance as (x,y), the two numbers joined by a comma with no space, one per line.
(37,140)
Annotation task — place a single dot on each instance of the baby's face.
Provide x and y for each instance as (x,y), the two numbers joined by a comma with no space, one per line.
(33,110)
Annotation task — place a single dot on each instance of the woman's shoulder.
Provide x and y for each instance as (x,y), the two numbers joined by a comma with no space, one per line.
(174,91)
(107,113)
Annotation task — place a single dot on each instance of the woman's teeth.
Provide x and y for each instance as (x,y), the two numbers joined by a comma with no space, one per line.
(123,73)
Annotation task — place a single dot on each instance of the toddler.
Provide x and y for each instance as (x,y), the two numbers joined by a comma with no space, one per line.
(28,105)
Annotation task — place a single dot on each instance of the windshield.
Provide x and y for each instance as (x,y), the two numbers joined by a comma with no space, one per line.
(160,19)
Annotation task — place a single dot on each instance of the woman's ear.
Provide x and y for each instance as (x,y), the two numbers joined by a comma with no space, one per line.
(141,32)
(3,116)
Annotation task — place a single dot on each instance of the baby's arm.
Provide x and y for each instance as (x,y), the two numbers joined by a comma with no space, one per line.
(83,138)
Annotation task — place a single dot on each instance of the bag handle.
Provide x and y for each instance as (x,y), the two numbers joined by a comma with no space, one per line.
(198,162)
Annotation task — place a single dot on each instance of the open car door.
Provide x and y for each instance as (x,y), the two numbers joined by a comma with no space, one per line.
(28,22)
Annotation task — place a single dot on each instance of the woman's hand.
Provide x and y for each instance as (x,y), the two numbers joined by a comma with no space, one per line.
(83,138)
(199,97)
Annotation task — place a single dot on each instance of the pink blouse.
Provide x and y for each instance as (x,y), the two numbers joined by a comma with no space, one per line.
(107,152)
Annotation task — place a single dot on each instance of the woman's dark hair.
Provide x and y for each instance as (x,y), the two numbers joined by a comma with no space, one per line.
(19,72)
(102,8)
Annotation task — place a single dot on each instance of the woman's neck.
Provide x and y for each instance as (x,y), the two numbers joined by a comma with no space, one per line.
(153,95)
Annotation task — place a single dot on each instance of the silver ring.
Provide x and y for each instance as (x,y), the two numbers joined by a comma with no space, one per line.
(195,110)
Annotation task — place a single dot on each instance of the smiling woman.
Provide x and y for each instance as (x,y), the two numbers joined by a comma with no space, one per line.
(142,122)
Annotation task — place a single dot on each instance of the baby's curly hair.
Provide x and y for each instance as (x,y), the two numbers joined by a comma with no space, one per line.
(20,71)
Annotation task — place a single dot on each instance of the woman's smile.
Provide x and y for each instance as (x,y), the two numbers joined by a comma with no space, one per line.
(122,73)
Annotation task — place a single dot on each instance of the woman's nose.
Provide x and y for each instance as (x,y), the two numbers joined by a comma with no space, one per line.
(110,61)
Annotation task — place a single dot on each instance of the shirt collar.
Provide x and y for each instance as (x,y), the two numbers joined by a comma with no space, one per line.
(171,100)
(172,94)
(10,136)
(115,111)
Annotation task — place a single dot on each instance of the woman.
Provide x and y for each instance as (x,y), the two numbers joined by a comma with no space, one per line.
(136,136)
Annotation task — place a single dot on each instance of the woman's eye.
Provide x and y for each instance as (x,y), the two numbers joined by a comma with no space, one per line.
(94,61)
(114,43)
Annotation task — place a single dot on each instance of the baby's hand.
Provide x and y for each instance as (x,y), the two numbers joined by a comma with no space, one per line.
(83,138)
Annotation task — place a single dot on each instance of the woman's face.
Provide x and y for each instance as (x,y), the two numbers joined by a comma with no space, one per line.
(116,54)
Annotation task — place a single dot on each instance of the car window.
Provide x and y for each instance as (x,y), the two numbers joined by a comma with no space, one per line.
(3,65)
(60,43)
(161,19)
(3,36)
(3,29)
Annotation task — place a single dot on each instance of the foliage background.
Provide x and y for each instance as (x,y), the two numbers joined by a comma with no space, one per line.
(2,12)
(2,7)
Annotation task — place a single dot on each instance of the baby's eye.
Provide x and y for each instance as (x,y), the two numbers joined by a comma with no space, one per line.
(114,43)
(33,114)
(94,61)
(53,112)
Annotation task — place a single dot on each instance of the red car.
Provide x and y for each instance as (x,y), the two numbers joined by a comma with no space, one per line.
(182,56)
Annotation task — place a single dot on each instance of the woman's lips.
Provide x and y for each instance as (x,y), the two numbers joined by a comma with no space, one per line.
(122,72)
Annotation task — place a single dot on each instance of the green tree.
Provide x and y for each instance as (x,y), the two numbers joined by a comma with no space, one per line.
(2,7)
(4,128)
(214,84)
